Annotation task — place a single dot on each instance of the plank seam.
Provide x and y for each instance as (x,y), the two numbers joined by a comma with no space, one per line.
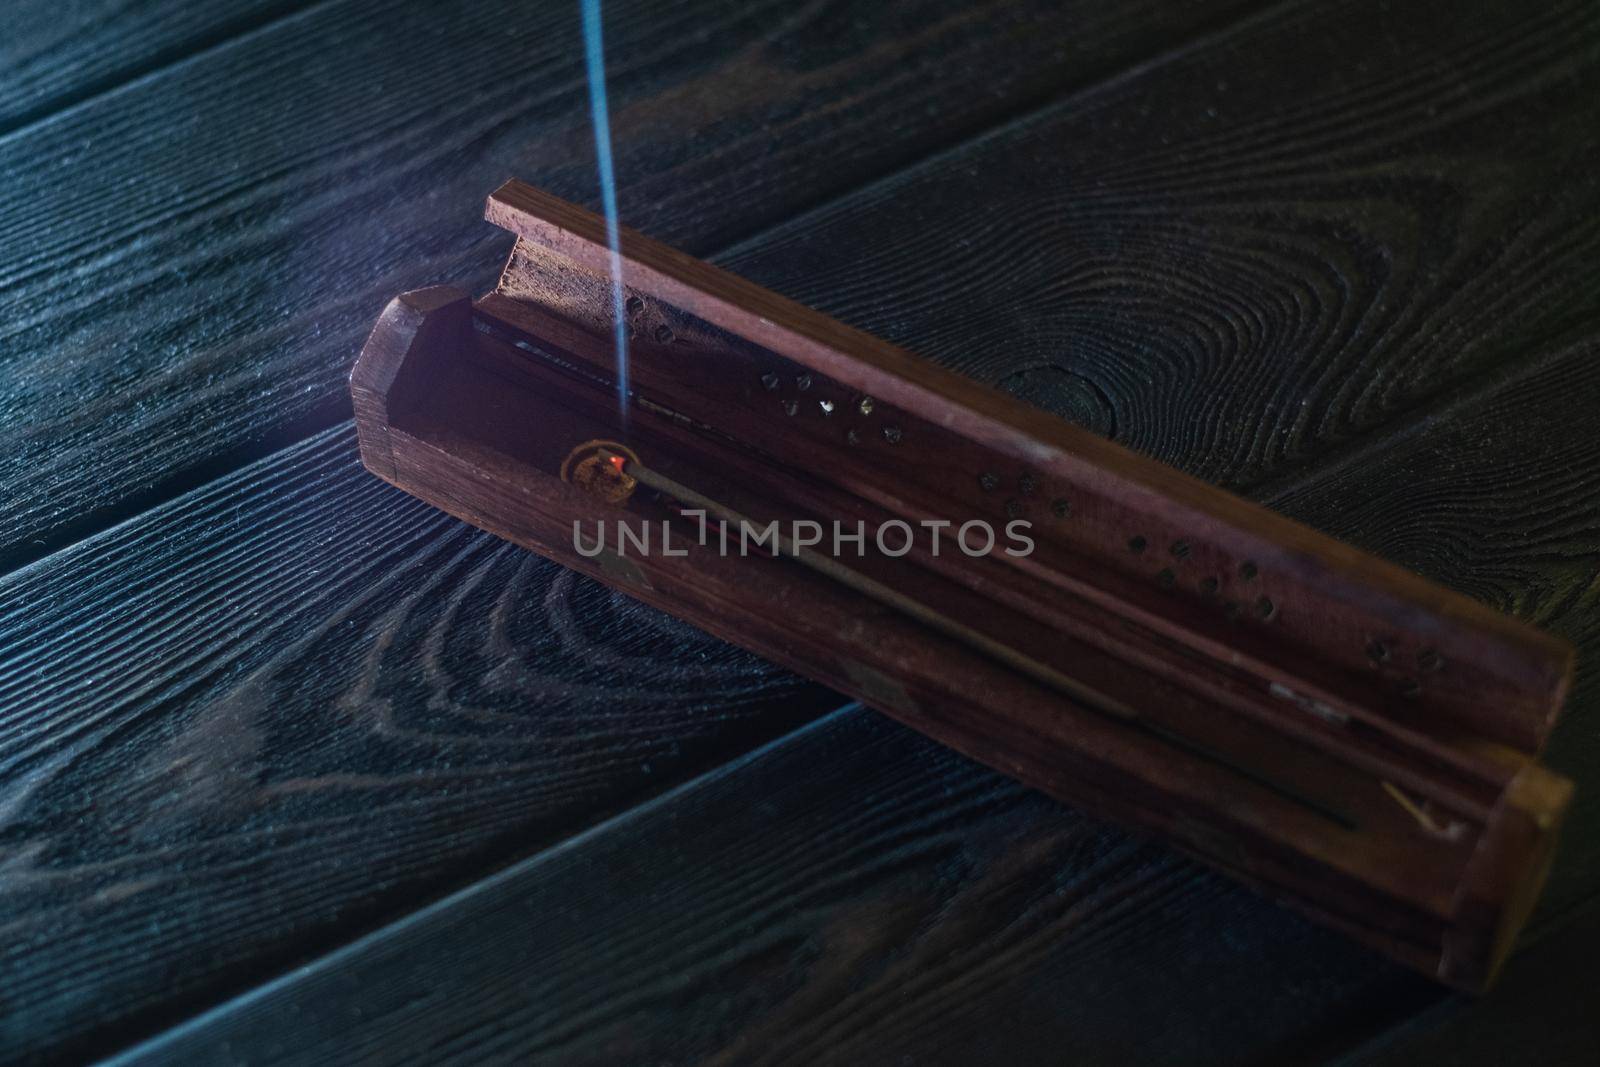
(159,63)
(1409,423)
(333,958)
(91,524)
(1019,119)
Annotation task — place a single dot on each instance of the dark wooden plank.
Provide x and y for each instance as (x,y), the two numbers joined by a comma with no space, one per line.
(1541,1012)
(299,702)
(190,265)
(920,917)
(859,890)
(1502,504)
(1259,252)
(855,894)
(55,55)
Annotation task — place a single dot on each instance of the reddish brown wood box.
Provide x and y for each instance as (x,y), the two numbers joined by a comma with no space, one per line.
(1341,734)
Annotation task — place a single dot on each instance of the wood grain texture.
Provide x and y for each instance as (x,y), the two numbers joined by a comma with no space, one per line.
(1258,252)
(187,267)
(886,902)
(54,55)
(286,226)
(299,702)
(267,648)
(921,907)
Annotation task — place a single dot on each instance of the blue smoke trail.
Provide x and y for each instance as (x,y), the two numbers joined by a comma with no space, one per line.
(600,113)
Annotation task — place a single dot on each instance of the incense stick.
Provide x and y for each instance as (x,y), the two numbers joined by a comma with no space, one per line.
(1046,675)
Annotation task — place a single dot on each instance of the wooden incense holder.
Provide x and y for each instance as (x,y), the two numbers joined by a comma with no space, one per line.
(1329,728)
